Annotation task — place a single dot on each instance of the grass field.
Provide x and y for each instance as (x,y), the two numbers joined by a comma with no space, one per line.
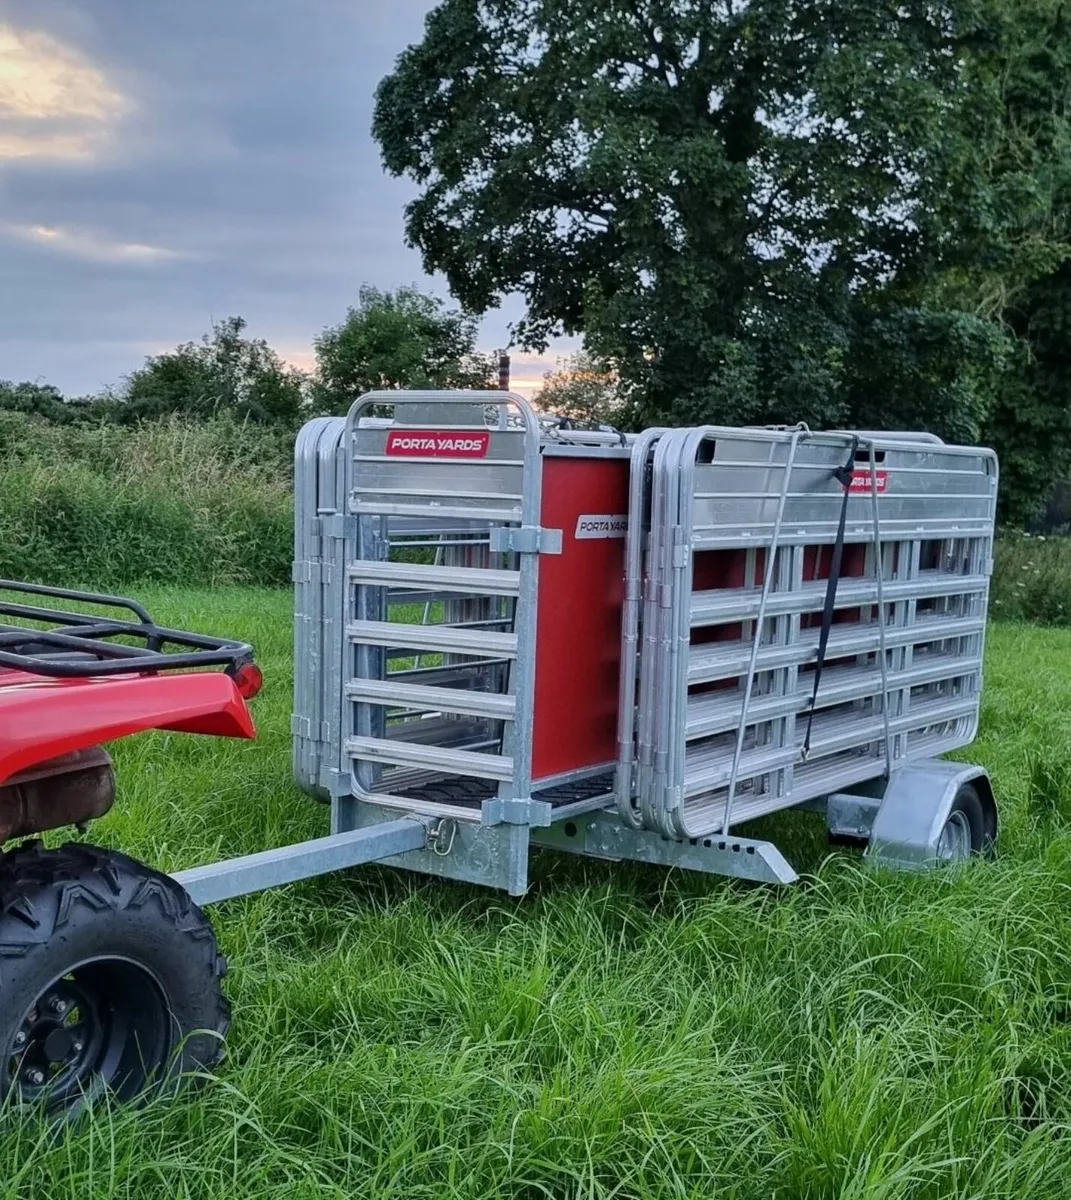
(621,1031)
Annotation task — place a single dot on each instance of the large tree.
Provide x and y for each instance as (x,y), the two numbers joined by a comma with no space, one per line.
(716,192)
(1018,262)
(401,339)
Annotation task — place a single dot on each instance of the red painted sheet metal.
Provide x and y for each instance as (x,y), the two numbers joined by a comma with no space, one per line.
(580,596)
(45,718)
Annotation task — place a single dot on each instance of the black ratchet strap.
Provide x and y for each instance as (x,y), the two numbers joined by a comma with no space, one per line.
(843,475)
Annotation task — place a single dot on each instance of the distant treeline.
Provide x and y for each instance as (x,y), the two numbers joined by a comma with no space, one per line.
(388,340)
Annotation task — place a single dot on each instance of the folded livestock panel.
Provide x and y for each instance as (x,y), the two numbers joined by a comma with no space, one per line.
(319,502)
(734,563)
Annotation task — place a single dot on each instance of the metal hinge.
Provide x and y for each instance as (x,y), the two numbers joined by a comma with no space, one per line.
(674,797)
(311,572)
(515,811)
(525,539)
(681,548)
(303,727)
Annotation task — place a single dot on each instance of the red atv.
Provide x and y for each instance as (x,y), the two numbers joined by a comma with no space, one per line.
(109,972)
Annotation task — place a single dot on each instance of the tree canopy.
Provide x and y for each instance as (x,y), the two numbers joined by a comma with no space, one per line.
(756,211)
(37,399)
(225,372)
(585,390)
(401,339)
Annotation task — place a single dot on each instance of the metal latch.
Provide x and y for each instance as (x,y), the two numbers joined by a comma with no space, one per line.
(339,526)
(337,783)
(525,539)
(441,835)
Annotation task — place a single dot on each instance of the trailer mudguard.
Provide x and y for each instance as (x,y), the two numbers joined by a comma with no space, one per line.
(915,807)
(42,719)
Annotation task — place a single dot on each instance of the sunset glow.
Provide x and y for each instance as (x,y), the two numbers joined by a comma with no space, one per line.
(54,104)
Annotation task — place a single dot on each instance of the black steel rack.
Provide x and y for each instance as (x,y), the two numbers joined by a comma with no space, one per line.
(78,645)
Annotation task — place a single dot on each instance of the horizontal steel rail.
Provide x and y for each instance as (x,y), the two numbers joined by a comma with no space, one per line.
(444,639)
(433,758)
(466,701)
(480,581)
(724,606)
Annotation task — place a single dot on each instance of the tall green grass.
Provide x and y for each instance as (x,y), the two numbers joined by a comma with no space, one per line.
(622,1031)
(1032,579)
(207,503)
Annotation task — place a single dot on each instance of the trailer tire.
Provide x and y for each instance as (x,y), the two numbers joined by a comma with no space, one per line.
(964,834)
(109,979)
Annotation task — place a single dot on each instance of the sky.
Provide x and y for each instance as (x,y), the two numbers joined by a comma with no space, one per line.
(166,163)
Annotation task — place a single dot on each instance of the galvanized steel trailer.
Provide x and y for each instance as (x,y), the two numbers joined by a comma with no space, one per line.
(510,633)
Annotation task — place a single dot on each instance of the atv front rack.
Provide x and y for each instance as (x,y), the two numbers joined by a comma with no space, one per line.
(78,645)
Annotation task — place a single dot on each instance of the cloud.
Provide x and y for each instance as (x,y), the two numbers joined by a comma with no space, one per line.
(54,103)
(164,165)
(88,245)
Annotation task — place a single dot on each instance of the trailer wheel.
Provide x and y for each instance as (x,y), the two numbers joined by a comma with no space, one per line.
(964,831)
(109,979)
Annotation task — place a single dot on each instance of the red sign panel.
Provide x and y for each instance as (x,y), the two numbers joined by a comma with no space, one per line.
(438,443)
(861,482)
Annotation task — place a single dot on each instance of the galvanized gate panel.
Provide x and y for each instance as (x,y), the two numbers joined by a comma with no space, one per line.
(441,583)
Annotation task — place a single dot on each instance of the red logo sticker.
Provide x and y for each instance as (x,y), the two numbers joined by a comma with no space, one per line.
(861,482)
(438,443)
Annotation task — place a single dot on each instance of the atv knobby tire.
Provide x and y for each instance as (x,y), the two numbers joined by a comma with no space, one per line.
(109,979)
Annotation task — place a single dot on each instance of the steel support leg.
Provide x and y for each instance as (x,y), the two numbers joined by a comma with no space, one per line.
(602,835)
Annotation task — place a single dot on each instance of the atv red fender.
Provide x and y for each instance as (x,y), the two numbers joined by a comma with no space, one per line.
(43,719)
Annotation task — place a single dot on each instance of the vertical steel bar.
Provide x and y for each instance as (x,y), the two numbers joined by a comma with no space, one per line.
(635,566)
(879,570)
(767,583)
